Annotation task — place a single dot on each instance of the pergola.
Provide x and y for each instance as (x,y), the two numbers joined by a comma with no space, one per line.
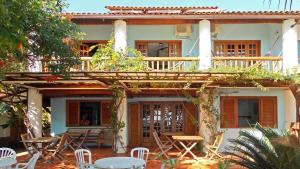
(98,82)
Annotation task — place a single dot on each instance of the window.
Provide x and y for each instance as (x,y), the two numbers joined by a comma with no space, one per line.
(159,48)
(236,48)
(86,45)
(87,113)
(241,111)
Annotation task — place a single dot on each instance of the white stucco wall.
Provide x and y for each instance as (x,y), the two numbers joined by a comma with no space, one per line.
(96,32)
(283,106)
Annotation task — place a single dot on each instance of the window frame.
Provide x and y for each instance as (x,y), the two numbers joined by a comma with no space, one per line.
(236,42)
(83,42)
(170,42)
(260,106)
(101,102)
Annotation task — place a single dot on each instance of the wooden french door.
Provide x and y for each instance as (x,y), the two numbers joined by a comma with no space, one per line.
(162,117)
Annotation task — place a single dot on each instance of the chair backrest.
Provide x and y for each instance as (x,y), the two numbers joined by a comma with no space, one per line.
(26,136)
(218,140)
(62,142)
(158,141)
(142,153)
(31,163)
(86,133)
(7,153)
(80,155)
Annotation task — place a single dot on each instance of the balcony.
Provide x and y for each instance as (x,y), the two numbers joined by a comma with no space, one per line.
(192,63)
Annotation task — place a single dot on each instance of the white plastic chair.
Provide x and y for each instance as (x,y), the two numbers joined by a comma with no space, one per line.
(7,153)
(142,153)
(30,164)
(81,161)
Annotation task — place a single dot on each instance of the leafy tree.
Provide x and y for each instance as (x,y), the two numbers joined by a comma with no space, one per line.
(31,30)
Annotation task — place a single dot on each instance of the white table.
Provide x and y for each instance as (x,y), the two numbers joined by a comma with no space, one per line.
(7,162)
(119,162)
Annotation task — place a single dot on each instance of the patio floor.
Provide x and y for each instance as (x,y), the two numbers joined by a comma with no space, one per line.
(98,153)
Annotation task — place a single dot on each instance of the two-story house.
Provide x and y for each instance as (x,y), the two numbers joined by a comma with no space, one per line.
(172,38)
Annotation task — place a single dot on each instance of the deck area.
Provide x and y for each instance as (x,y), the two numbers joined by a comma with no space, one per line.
(98,153)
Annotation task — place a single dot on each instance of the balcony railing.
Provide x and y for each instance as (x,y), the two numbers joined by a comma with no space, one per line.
(192,63)
(171,63)
(267,62)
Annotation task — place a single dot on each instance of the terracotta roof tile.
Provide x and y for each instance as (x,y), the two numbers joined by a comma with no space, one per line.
(158,7)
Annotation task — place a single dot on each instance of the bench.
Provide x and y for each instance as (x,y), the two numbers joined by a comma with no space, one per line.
(99,136)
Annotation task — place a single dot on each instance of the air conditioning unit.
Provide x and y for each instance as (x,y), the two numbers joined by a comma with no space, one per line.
(183,30)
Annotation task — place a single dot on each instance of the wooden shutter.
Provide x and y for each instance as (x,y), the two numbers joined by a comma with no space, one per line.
(105,114)
(268,112)
(72,113)
(134,125)
(191,118)
(229,112)
(174,49)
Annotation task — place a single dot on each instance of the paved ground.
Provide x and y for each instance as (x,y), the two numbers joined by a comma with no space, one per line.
(97,153)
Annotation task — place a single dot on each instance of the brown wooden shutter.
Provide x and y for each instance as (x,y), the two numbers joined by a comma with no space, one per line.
(72,113)
(105,114)
(268,112)
(191,118)
(229,112)
(134,125)
(142,47)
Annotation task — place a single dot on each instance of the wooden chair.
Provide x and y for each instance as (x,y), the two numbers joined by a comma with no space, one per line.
(81,161)
(162,147)
(57,152)
(83,139)
(30,164)
(295,129)
(212,150)
(142,153)
(30,149)
(7,153)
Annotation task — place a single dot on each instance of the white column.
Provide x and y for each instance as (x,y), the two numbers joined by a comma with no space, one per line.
(35,111)
(289,45)
(204,45)
(120,35)
(290,108)
(122,116)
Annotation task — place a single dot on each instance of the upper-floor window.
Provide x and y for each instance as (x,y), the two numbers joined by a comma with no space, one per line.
(159,48)
(86,46)
(236,48)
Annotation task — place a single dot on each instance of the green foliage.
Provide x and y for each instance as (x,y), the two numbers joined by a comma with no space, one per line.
(271,151)
(34,30)
(224,164)
(11,115)
(45,119)
(107,59)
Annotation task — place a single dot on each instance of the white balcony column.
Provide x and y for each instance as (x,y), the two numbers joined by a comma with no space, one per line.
(120,35)
(122,116)
(35,111)
(289,45)
(204,45)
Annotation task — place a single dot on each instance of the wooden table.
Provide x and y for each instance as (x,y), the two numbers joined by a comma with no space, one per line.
(170,140)
(188,143)
(41,144)
(120,162)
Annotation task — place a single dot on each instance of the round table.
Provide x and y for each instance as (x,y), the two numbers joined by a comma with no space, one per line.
(119,162)
(7,162)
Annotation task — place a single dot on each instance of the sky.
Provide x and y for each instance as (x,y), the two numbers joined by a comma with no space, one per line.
(244,5)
